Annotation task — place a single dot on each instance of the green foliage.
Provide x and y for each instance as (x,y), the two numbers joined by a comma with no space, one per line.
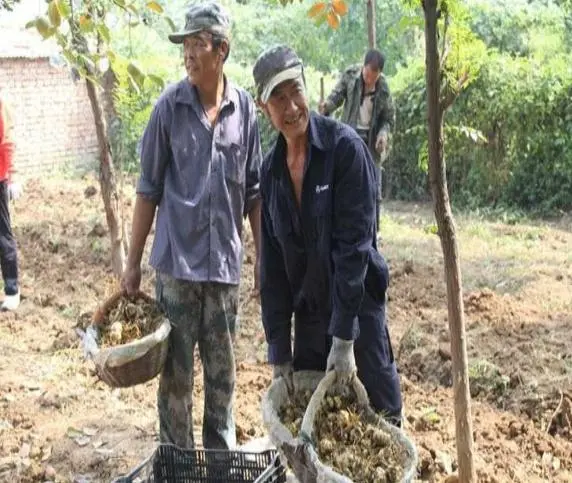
(518,26)
(84,36)
(8,4)
(133,107)
(508,138)
(508,135)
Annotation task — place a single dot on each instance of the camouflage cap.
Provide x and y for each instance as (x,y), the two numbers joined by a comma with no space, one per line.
(274,66)
(204,16)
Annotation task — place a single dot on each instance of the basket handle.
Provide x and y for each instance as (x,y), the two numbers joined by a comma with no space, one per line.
(101,312)
(318,397)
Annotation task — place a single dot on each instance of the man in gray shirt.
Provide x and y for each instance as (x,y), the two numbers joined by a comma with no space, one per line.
(200,160)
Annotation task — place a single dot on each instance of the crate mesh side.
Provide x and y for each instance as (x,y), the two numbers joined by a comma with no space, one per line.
(172,464)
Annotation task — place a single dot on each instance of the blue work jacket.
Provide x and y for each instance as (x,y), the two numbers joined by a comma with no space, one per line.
(318,259)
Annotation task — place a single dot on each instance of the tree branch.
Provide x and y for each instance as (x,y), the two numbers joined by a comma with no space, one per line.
(444,47)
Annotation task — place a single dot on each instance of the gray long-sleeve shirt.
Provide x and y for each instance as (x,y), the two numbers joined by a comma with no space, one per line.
(205,180)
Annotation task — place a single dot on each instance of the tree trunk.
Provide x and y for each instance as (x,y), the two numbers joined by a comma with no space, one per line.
(107,182)
(446,225)
(109,83)
(371,23)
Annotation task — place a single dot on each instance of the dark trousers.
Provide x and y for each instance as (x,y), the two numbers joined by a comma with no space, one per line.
(376,367)
(8,249)
(378,180)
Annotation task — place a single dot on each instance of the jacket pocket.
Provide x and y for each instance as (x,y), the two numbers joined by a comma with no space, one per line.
(377,276)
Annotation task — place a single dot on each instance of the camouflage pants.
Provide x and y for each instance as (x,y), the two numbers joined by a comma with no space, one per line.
(203,314)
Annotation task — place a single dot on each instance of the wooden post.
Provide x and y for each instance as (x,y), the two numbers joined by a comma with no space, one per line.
(446,226)
(371,23)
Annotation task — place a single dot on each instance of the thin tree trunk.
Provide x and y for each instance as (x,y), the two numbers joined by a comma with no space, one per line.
(109,83)
(107,182)
(371,23)
(446,225)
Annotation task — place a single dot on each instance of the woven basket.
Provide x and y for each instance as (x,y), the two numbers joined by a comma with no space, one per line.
(136,362)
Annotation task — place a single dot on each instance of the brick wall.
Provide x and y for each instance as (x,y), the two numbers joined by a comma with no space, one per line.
(53,120)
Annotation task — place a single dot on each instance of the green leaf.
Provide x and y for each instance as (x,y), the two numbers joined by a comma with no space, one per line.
(69,55)
(85,24)
(93,79)
(61,39)
(87,62)
(54,14)
(43,27)
(321,18)
(31,23)
(171,24)
(104,32)
(133,83)
(119,3)
(136,74)
(132,8)
(155,7)
(63,8)
(157,80)
(111,56)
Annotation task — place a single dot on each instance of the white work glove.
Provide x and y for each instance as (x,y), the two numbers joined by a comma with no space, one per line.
(285,371)
(14,191)
(88,342)
(341,359)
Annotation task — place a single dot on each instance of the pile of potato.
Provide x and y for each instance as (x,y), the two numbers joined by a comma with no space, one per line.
(360,451)
(129,319)
(292,413)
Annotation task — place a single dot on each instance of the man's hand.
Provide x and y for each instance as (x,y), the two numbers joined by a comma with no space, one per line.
(322,108)
(342,360)
(381,143)
(14,190)
(285,371)
(131,279)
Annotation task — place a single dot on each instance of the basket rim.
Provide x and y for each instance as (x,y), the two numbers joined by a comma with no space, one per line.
(142,341)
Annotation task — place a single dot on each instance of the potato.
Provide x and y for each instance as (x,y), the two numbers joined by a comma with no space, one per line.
(129,320)
(361,451)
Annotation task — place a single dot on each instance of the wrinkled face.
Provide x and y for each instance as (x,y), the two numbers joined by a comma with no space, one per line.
(288,109)
(370,75)
(203,61)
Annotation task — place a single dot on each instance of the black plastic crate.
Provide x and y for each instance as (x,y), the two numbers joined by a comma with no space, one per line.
(170,464)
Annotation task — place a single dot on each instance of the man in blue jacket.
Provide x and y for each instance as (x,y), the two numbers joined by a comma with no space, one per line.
(319,260)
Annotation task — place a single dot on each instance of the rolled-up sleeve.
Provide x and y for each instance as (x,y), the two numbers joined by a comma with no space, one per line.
(275,294)
(155,156)
(253,162)
(353,227)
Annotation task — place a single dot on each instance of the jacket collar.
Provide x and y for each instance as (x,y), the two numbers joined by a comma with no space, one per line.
(187,94)
(315,140)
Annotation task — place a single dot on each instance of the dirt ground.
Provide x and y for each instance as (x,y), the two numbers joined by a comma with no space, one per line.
(58,423)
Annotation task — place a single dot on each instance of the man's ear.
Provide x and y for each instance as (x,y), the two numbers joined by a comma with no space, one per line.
(224,49)
(263,107)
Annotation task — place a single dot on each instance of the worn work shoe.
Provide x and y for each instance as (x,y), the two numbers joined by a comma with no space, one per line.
(11,302)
